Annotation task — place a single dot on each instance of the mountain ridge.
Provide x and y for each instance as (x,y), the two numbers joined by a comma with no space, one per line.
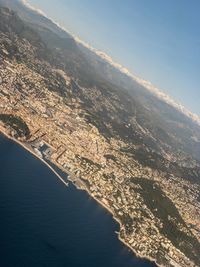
(102,55)
(136,154)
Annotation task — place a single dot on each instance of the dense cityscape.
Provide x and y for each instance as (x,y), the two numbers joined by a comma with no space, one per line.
(157,208)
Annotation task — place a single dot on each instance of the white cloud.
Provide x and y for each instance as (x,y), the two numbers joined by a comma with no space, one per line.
(167,99)
(26,3)
(154,90)
(39,11)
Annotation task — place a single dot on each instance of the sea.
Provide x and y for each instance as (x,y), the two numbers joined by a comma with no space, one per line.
(43,223)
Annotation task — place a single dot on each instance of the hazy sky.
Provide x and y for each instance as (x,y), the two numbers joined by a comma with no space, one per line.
(156,40)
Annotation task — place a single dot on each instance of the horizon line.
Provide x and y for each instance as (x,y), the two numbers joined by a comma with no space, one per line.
(159,93)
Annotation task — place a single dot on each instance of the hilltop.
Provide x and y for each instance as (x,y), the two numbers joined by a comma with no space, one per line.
(132,151)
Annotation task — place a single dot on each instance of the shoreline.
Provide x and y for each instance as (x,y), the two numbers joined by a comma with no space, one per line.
(32,152)
(118,233)
(108,209)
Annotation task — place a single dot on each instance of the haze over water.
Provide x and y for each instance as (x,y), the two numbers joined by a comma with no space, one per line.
(46,224)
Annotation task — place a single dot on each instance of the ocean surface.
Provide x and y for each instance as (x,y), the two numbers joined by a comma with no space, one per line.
(46,224)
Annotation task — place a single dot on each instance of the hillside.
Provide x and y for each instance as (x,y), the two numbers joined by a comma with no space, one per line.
(135,153)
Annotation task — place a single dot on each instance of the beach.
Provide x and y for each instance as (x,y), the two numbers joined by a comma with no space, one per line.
(30,150)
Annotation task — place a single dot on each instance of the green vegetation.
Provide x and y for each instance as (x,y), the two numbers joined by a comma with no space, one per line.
(110,176)
(16,123)
(111,157)
(174,227)
(85,161)
(97,122)
(90,162)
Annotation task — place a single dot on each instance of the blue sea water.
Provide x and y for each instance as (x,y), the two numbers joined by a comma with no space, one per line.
(46,224)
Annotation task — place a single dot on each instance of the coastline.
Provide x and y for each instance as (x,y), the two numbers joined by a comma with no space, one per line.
(3,132)
(118,233)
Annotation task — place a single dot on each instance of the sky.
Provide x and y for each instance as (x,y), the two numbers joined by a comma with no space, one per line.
(156,40)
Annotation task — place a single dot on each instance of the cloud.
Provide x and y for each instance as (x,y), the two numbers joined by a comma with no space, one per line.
(39,11)
(154,90)
(146,84)
(167,99)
